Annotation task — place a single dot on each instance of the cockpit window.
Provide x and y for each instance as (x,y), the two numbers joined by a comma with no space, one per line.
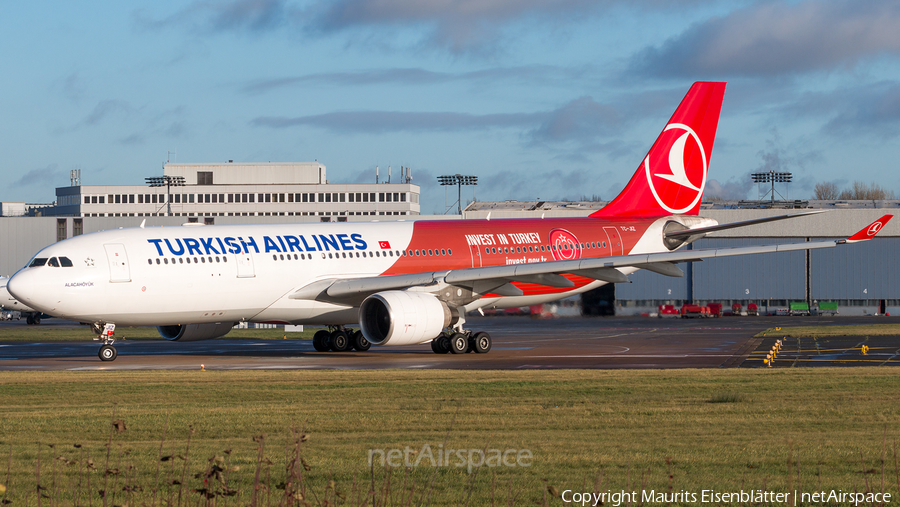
(53,263)
(65,262)
(38,261)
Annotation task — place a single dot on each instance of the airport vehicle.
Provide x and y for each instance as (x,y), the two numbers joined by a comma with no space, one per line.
(15,307)
(405,283)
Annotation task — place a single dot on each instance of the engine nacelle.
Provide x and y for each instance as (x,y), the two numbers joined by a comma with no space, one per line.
(195,332)
(403,318)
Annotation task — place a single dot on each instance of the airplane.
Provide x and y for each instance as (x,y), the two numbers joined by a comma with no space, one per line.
(404,283)
(10,304)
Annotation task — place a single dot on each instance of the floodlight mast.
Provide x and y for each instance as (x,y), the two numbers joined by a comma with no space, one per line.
(168,182)
(773,177)
(459,180)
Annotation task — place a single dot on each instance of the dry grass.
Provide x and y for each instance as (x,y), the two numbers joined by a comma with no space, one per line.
(709,429)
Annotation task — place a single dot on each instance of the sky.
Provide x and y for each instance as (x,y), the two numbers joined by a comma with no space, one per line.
(541,99)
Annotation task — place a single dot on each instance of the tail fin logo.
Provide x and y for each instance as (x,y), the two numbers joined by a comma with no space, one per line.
(874,228)
(678,187)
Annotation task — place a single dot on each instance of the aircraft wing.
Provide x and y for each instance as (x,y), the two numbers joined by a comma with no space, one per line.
(497,279)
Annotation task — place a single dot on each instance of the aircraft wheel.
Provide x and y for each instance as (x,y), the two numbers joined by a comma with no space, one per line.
(36,320)
(29,320)
(107,353)
(359,342)
(440,345)
(340,342)
(459,343)
(320,341)
(482,342)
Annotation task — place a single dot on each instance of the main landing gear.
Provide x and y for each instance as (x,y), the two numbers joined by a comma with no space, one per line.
(105,334)
(460,342)
(340,339)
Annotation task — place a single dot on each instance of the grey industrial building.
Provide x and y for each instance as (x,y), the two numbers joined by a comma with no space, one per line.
(861,278)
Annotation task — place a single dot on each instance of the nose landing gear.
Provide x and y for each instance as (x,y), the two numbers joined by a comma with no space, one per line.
(105,334)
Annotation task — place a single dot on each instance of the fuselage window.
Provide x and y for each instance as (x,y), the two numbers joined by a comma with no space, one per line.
(604,244)
(390,253)
(323,255)
(430,252)
(150,261)
(282,256)
(188,260)
(377,254)
(217,258)
(180,260)
(38,261)
(329,256)
(344,254)
(165,260)
(443,252)
(157,261)
(210,259)
(303,256)
(274,257)
(224,259)
(203,260)
(449,252)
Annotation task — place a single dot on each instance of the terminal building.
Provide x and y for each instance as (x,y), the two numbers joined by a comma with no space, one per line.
(202,192)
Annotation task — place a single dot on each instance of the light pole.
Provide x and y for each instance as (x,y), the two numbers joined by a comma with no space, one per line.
(773,177)
(459,180)
(168,182)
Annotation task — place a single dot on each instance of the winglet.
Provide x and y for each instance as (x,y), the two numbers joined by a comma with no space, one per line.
(870,230)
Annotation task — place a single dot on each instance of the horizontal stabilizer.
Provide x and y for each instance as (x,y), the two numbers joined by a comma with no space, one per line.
(685,233)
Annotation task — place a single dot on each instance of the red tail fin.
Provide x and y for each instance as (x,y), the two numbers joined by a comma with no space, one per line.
(672,176)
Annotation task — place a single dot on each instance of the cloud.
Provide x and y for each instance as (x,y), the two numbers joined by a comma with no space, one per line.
(575,129)
(867,110)
(776,38)
(41,176)
(104,109)
(381,122)
(415,76)
(460,27)
(235,16)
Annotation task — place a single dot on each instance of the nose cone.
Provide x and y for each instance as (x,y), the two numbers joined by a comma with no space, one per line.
(22,287)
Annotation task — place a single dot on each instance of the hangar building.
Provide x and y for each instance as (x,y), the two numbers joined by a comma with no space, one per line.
(861,278)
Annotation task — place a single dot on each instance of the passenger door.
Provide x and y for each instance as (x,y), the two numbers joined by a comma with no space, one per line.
(119,271)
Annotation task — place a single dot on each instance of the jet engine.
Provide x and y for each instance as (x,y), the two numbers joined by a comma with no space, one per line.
(403,318)
(195,332)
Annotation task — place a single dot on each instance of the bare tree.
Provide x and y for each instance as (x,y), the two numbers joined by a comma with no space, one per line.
(864,192)
(826,191)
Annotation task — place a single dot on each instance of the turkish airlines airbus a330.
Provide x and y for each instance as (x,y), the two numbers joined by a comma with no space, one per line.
(405,283)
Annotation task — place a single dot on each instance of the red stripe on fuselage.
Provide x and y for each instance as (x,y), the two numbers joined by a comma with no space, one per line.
(477,243)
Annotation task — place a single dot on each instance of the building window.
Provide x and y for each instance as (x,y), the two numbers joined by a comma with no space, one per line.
(209,220)
(61,226)
(252,196)
(204,177)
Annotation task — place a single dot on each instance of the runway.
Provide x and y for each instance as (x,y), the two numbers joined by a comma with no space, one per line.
(519,343)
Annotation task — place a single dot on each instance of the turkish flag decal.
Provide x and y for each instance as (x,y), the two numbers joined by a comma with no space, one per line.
(384,245)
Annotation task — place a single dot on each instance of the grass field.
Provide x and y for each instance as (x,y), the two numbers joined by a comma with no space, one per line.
(586,430)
